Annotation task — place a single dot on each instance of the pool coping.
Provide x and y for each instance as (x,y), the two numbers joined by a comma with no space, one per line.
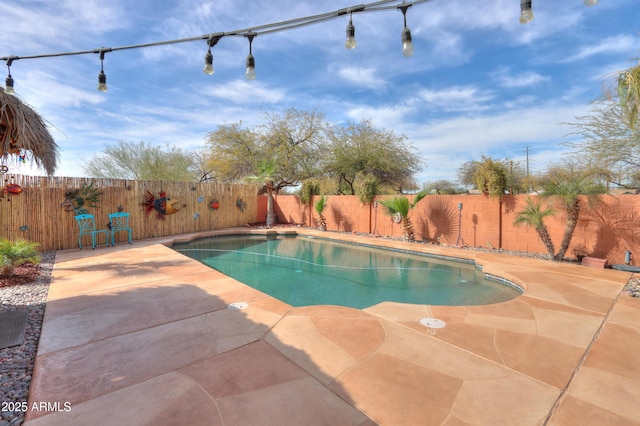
(568,347)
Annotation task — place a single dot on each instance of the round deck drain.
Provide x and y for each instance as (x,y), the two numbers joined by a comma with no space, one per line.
(237,305)
(433,323)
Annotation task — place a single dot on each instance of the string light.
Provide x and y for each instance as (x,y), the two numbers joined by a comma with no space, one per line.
(212,39)
(350,43)
(208,58)
(407,44)
(102,77)
(526,13)
(251,62)
(8,83)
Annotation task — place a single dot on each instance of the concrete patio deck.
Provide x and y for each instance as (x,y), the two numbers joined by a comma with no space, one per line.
(141,335)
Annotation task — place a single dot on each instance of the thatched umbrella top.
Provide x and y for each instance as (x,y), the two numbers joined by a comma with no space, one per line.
(24,132)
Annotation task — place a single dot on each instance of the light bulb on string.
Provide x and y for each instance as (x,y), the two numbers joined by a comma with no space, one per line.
(526,13)
(250,74)
(407,43)
(350,43)
(8,83)
(102,77)
(208,63)
(208,58)
(8,86)
(102,82)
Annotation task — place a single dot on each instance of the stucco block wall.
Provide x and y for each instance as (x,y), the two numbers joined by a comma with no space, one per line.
(606,231)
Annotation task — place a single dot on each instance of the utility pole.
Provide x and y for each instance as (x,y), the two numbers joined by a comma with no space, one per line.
(528,178)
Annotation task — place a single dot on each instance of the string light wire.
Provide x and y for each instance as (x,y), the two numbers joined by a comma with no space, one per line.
(258,30)
(274,27)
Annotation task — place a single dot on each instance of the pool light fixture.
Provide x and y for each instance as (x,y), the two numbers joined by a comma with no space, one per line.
(407,44)
(251,62)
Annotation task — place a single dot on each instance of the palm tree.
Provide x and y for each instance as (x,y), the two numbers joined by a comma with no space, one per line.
(399,207)
(534,215)
(319,206)
(573,191)
(16,253)
(266,170)
(629,94)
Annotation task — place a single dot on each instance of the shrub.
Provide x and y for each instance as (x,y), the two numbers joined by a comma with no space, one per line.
(16,253)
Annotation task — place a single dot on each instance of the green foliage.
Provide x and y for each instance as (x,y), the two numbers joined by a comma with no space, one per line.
(234,152)
(567,181)
(490,177)
(443,187)
(400,206)
(573,188)
(629,94)
(308,189)
(494,177)
(266,171)
(320,206)
(367,187)
(142,161)
(609,144)
(360,149)
(292,142)
(533,214)
(16,253)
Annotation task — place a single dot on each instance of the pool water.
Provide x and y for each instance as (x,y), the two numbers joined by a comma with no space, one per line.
(304,271)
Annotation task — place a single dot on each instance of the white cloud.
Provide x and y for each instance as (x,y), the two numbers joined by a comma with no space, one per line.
(455,98)
(364,77)
(504,77)
(245,92)
(607,46)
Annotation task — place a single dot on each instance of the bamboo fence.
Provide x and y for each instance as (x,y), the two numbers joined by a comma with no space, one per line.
(37,213)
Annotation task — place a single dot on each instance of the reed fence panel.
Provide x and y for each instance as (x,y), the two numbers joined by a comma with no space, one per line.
(37,213)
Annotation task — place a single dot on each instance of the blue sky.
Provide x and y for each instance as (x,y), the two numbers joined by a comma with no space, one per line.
(479,83)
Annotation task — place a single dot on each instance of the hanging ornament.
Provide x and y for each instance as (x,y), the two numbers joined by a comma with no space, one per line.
(77,200)
(12,188)
(163,205)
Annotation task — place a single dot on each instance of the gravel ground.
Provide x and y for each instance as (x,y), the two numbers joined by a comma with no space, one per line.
(633,286)
(16,362)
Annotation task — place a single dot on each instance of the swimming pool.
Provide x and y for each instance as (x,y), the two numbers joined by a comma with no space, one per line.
(304,271)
